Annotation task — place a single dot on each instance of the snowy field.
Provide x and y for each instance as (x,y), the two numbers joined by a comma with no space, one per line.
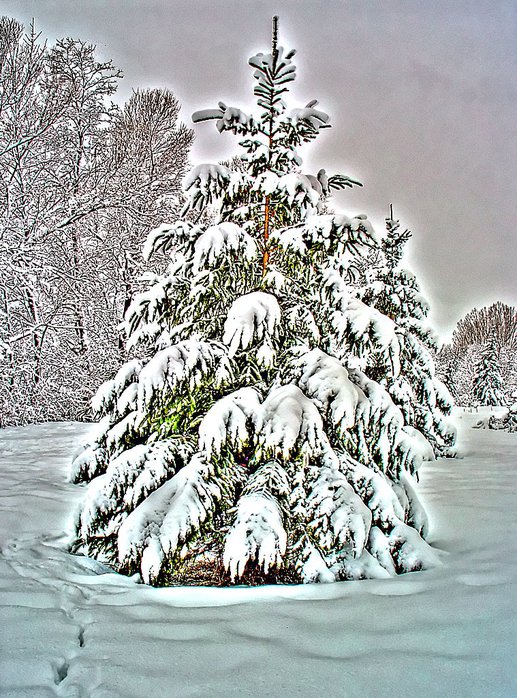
(71,628)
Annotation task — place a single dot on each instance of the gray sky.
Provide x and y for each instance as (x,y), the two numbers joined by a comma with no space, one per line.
(422,96)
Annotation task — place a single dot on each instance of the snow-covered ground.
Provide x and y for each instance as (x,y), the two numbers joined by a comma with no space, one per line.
(69,628)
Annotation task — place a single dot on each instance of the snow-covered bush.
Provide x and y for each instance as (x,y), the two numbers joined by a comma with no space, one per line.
(508,421)
(273,424)
(501,422)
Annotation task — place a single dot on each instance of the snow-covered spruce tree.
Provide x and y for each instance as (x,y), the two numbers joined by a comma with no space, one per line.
(394,291)
(256,439)
(488,383)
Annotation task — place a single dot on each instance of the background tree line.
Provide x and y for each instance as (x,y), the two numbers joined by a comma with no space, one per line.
(82,181)
(479,365)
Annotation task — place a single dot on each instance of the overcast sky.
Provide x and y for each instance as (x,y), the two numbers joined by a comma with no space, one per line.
(422,96)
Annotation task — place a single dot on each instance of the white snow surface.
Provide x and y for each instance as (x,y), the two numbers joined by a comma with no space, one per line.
(70,627)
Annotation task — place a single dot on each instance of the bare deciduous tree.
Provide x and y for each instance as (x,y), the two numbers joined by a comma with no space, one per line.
(477,326)
(81,182)
(457,361)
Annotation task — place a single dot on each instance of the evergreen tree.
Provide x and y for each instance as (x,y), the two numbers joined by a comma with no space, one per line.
(415,388)
(261,434)
(488,382)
